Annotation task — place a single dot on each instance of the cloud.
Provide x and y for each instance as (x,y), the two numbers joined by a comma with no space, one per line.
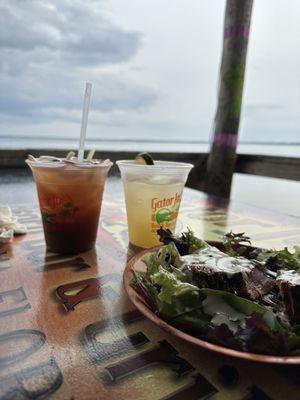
(65,31)
(43,94)
(49,48)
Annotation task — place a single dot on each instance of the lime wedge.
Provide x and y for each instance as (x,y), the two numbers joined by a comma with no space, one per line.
(144,158)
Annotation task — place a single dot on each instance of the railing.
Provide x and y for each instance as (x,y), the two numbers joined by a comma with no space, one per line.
(272,166)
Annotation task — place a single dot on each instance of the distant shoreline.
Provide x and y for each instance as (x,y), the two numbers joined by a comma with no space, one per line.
(138,140)
(163,146)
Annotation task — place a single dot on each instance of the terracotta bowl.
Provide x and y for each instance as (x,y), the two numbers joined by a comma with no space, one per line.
(137,264)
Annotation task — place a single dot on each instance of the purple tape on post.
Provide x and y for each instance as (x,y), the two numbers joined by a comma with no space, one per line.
(232,31)
(225,139)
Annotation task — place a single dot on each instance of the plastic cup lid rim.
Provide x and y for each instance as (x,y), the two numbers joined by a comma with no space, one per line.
(157,164)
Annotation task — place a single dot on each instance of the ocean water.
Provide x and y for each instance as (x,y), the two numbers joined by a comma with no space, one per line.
(188,146)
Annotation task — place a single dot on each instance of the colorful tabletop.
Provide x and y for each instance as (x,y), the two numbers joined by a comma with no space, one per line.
(68,330)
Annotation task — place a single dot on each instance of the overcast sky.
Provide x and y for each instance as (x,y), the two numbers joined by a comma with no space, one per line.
(153,64)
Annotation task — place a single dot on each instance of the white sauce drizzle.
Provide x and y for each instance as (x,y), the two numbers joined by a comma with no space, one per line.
(212,259)
(292,277)
(223,313)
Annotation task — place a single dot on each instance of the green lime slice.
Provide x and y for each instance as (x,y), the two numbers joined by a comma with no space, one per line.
(144,158)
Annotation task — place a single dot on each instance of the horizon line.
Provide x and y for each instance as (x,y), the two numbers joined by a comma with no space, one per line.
(123,140)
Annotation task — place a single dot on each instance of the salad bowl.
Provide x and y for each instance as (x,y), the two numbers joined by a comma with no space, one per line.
(136,263)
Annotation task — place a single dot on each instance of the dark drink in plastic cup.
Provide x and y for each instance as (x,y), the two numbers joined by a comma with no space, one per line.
(70,197)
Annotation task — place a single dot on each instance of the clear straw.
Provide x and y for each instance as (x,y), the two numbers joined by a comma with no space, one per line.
(85,112)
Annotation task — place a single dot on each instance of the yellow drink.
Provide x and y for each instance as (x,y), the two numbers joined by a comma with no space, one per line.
(152,195)
(150,206)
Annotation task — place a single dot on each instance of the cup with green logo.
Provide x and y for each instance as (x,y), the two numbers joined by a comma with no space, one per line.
(152,196)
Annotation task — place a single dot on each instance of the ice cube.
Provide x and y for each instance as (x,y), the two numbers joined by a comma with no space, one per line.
(160,180)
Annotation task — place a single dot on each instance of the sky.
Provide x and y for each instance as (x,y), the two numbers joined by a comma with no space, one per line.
(153,65)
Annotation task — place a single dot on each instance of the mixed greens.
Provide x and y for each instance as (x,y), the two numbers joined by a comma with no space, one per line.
(219,316)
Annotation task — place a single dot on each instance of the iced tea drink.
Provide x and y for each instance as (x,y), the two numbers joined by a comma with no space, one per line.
(152,196)
(70,197)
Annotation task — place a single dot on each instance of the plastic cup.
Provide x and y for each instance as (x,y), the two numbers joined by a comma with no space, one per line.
(152,196)
(70,197)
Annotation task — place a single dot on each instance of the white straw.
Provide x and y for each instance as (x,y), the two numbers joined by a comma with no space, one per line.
(85,112)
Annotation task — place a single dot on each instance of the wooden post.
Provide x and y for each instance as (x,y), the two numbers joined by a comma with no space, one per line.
(222,157)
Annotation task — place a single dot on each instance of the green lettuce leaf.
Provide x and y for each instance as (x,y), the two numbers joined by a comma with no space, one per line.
(284,258)
(294,342)
(170,285)
(166,256)
(243,306)
(235,243)
(186,242)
